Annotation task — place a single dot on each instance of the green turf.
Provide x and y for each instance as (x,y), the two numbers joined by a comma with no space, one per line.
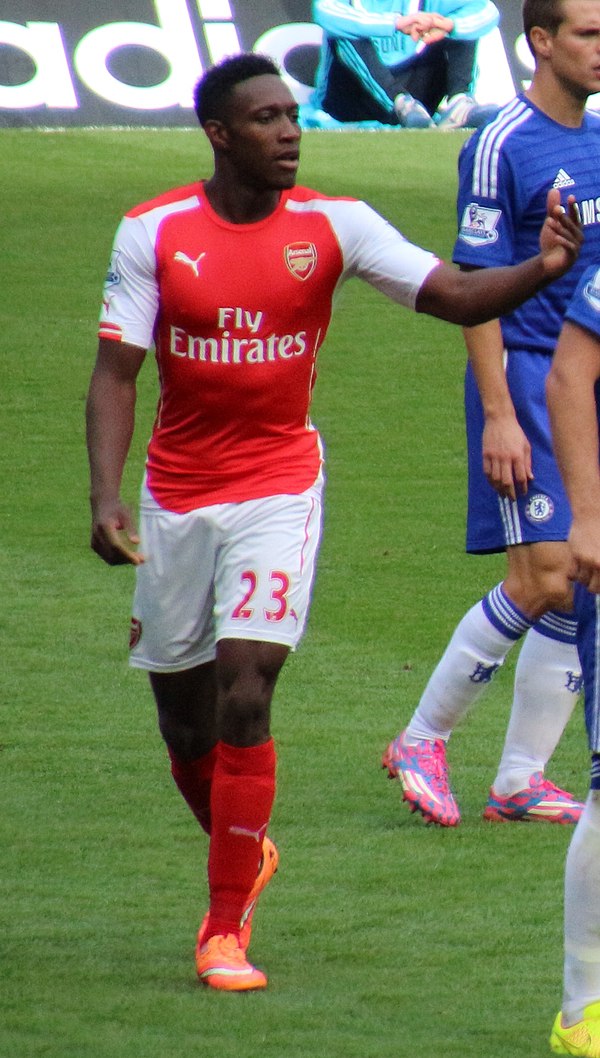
(380,936)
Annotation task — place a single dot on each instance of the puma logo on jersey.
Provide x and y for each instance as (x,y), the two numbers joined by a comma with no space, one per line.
(194,264)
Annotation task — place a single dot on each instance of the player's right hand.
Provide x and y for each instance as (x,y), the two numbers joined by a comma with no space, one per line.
(114,536)
(584,544)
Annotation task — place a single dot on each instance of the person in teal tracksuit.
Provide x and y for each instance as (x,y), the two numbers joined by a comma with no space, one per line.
(401,62)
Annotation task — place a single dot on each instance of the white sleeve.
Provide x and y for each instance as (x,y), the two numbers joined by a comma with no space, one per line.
(377,252)
(130,298)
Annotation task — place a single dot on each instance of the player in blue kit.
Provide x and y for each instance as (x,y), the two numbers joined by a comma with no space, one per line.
(573,395)
(400,63)
(544,138)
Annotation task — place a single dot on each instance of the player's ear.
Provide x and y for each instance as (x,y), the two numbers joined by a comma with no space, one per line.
(541,42)
(217,134)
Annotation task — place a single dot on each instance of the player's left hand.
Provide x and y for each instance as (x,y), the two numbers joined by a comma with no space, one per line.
(561,236)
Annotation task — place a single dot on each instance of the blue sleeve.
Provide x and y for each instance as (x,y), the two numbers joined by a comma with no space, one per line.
(471,20)
(487,215)
(339,19)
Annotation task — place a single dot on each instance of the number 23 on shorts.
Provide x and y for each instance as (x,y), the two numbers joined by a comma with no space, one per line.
(280,586)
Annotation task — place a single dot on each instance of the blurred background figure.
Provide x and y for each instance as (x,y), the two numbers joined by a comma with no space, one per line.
(383,62)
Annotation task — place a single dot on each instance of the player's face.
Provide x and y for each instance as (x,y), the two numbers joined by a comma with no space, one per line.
(575,49)
(263,133)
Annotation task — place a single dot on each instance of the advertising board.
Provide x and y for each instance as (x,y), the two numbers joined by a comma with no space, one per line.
(134,62)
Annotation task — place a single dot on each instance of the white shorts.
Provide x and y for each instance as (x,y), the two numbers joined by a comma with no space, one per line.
(229,571)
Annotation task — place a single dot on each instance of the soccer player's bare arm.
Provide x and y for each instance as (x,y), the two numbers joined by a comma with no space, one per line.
(110,417)
(471,298)
(572,407)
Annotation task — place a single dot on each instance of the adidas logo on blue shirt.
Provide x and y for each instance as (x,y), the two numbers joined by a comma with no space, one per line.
(562,179)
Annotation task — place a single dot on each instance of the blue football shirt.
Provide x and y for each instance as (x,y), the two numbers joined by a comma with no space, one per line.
(505,172)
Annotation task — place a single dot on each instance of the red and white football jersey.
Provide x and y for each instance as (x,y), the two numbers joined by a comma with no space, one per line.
(237,314)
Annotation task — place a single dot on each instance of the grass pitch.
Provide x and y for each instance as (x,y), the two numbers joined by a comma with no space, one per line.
(380,935)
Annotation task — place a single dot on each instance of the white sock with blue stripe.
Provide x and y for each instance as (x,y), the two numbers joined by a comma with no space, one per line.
(477,649)
(582,914)
(547,684)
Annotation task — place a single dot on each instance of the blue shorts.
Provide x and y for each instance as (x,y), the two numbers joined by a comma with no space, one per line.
(543,513)
(587,612)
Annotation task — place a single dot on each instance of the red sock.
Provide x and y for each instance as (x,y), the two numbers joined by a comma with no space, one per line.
(242,797)
(194,781)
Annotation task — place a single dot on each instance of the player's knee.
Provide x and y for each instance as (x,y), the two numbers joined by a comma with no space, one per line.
(553,588)
(247,672)
(561,594)
(541,588)
(186,703)
(245,712)
(186,741)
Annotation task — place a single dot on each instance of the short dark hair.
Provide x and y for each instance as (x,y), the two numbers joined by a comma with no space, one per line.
(214,88)
(547,14)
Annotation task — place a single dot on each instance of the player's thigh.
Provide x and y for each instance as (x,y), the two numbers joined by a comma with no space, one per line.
(172,623)
(266,567)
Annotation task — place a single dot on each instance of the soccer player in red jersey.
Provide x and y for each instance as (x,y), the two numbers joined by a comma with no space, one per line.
(232,280)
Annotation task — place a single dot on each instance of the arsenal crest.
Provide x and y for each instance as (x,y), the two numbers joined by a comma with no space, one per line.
(135,632)
(301,259)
